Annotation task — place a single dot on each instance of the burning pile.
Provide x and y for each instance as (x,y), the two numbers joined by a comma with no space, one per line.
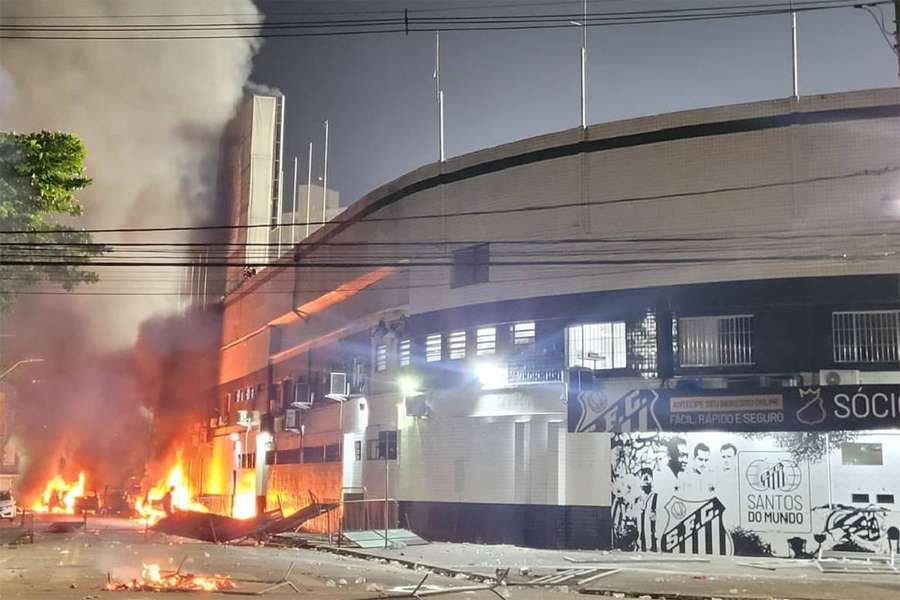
(60,496)
(154,580)
(171,493)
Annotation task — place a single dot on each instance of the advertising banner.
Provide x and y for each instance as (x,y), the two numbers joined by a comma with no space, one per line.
(819,408)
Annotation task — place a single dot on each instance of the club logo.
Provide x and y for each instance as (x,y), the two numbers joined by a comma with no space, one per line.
(813,410)
(766,476)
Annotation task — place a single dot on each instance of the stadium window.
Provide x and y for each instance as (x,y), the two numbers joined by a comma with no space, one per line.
(485,341)
(869,336)
(456,344)
(433,347)
(404,352)
(385,447)
(596,346)
(523,333)
(721,341)
(380,357)
(861,454)
(471,265)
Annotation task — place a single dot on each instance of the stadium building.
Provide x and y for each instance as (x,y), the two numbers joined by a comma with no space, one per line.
(632,336)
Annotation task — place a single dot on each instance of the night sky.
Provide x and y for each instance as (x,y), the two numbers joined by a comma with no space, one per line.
(377,91)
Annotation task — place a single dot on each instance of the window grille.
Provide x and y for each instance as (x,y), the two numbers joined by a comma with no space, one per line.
(405,352)
(433,347)
(715,341)
(597,345)
(486,341)
(866,336)
(380,357)
(456,344)
(523,333)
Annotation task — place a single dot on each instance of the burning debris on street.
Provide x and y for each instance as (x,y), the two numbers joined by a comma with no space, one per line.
(152,579)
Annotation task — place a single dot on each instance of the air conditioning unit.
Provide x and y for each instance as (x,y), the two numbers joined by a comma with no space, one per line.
(838,377)
(338,384)
(292,420)
(417,406)
(302,398)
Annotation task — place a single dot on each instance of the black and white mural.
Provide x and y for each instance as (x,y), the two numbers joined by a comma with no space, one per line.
(724,493)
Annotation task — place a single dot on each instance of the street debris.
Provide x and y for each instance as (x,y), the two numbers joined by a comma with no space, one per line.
(420,590)
(152,579)
(756,566)
(269,586)
(212,527)
(64,526)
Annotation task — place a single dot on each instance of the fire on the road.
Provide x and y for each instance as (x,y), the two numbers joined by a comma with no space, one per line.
(154,580)
(150,507)
(59,495)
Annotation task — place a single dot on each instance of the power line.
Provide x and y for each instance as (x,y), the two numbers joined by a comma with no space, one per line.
(378,26)
(876,172)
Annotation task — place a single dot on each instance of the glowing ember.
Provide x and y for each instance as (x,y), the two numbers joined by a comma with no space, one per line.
(60,496)
(152,579)
(176,486)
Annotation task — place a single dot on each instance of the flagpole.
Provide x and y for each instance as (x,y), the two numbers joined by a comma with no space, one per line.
(308,189)
(294,208)
(325,177)
(439,94)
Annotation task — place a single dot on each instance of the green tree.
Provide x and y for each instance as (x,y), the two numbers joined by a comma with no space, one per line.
(39,176)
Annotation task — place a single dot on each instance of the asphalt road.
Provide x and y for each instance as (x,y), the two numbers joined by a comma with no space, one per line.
(77,564)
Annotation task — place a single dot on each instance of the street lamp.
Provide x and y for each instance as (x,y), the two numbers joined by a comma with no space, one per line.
(21,362)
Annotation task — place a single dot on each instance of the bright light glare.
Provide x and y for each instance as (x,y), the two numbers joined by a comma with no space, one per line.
(490,375)
(408,385)
(263,437)
(234,437)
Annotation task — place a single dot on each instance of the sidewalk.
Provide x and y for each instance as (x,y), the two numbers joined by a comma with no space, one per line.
(655,575)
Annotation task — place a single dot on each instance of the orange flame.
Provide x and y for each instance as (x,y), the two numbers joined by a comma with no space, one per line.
(152,579)
(181,497)
(59,495)
(245,496)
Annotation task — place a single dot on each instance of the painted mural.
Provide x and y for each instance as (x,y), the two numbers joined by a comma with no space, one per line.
(724,493)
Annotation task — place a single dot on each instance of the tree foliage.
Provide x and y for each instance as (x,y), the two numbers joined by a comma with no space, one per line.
(40,174)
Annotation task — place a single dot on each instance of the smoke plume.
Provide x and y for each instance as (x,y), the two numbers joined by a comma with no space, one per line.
(150,113)
(121,381)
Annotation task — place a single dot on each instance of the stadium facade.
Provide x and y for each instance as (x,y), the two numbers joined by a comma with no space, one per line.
(652,334)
